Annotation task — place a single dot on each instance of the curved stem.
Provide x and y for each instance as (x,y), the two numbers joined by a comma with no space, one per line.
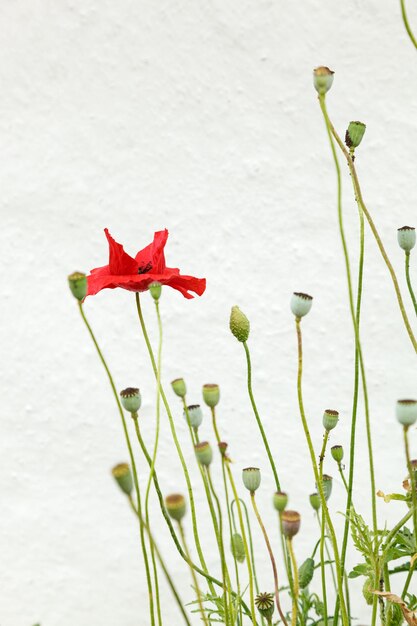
(409,285)
(407,25)
(296,589)
(194,577)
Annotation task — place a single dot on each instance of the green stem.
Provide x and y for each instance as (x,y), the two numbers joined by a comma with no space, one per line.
(408,580)
(412,483)
(407,25)
(394,531)
(322,535)
(296,588)
(194,577)
(409,285)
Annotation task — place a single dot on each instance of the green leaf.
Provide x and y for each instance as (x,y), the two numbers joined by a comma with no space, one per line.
(362,569)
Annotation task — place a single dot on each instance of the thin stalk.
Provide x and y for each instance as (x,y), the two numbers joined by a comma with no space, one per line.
(412,482)
(408,279)
(328,556)
(194,577)
(271,556)
(296,587)
(407,25)
(408,580)
(394,531)
(322,535)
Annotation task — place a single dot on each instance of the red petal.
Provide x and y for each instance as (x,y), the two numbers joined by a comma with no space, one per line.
(120,263)
(154,253)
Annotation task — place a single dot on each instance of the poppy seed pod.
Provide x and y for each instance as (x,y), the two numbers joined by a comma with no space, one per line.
(237,547)
(251,477)
(77,282)
(406,236)
(176,506)
(327,483)
(222,445)
(315,501)
(239,324)
(291,521)
(354,134)
(280,500)
(123,477)
(337,453)
(306,573)
(131,399)
(179,387)
(204,453)
(406,411)
(300,304)
(323,79)
(330,419)
(155,288)
(211,395)
(265,604)
(195,415)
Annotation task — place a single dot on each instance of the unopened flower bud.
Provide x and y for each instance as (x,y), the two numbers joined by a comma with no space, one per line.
(239,324)
(178,386)
(194,415)
(406,236)
(211,395)
(406,412)
(315,501)
(337,453)
(204,453)
(306,573)
(327,483)
(155,288)
(265,604)
(367,591)
(131,399)
(237,547)
(176,506)
(251,478)
(290,523)
(222,445)
(280,500)
(123,477)
(354,134)
(323,79)
(300,304)
(330,419)
(78,284)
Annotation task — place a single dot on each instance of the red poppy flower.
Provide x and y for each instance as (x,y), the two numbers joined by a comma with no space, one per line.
(136,274)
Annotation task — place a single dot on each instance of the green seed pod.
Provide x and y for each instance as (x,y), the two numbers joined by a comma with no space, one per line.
(195,415)
(323,79)
(123,477)
(251,477)
(330,419)
(78,284)
(211,395)
(300,304)
(315,501)
(306,573)
(179,387)
(406,412)
(204,453)
(237,547)
(367,589)
(291,521)
(337,453)
(239,324)
(155,288)
(222,445)
(354,134)
(131,399)
(265,604)
(280,500)
(176,506)
(406,236)
(327,486)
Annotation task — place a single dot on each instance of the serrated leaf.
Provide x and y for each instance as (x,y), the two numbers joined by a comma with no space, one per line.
(359,570)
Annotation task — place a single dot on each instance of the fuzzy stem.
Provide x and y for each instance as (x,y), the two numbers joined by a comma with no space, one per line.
(296,588)
(194,577)
(409,285)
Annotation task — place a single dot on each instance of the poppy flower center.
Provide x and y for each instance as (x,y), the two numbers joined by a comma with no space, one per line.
(144,269)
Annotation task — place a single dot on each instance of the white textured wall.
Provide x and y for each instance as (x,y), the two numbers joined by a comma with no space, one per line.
(199,117)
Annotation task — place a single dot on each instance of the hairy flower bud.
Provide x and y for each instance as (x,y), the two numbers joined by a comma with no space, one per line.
(323,79)
(211,395)
(239,324)
(315,501)
(406,411)
(123,477)
(78,284)
(327,483)
(406,236)
(179,387)
(337,453)
(237,547)
(306,573)
(194,415)
(330,419)
(300,304)
(131,399)
(290,523)
(280,500)
(204,453)
(155,288)
(251,478)
(176,506)
(265,604)
(354,134)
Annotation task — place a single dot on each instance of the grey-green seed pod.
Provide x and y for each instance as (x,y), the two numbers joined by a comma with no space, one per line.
(300,304)
(291,521)
(330,419)
(406,411)
(237,547)
(306,573)
(327,486)
(176,506)
(155,288)
(265,604)
(354,134)
(211,395)
(77,282)
(123,477)
(239,324)
(406,236)
(179,387)
(367,589)
(251,477)
(337,453)
(280,500)
(195,415)
(323,79)
(315,501)
(204,453)
(131,399)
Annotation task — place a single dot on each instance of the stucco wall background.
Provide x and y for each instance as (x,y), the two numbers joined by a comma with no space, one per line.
(199,117)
